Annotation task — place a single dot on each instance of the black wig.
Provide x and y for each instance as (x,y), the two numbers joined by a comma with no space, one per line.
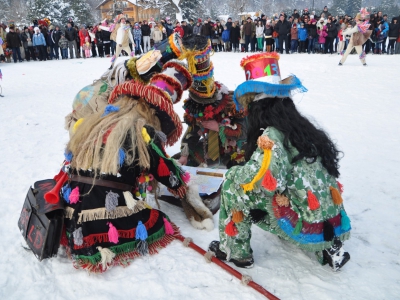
(300,132)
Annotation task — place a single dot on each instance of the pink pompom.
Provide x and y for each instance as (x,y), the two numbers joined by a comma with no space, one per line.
(149,188)
(112,233)
(74,196)
(186,177)
(151,177)
(168,227)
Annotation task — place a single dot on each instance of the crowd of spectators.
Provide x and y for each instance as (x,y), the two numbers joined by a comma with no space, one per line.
(305,32)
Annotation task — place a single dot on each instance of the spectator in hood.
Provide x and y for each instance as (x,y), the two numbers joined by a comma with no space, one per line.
(168,26)
(229,23)
(197,27)
(40,43)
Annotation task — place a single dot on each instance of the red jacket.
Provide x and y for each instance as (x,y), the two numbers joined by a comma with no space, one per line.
(83,33)
(179,30)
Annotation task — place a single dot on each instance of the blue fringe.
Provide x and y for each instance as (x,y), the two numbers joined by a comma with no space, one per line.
(109,109)
(141,232)
(270,89)
(121,154)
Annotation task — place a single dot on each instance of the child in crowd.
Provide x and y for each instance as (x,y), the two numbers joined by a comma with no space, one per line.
(294,38)
(63,43)
(341,39)
(86,47)
(226,38)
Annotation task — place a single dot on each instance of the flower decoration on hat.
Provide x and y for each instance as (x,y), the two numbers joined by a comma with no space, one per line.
(263,80)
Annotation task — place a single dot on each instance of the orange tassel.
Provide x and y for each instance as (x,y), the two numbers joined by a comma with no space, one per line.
(237,216)
(162,168)
(269,182)
(231,229)
(336,197)
(313,203)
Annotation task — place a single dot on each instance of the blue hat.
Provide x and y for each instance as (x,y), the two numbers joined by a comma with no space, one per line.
(263,81)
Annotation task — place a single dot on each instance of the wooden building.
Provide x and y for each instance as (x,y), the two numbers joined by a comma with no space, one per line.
(133,12)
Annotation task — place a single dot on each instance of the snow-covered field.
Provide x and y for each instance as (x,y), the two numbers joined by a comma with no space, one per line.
(357,105)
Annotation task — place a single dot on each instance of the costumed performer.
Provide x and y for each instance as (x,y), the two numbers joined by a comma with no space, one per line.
(360,33)
(288,185)
(112,159)
(122,37)
(216,131)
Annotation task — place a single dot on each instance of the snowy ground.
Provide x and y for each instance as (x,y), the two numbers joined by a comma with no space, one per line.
(358,107)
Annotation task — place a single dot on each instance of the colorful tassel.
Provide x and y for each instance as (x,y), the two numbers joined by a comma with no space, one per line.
(112,233)
(299,227)
(237,216)
(121,157)
(113,58)
(282,200)
(66,192)
(74,196)
(78,237)
(168,227)
(110,109)
(77,124)
(145,135)
(143,248)
(231,229)
(313,203)
(186,177)
(111,201)
(341,188)
(263,169)
(141,232)
(68,156)
(345,221)
(106,257)
(129,200)
(162,169)
(269,182)
(336,197)
(329,231)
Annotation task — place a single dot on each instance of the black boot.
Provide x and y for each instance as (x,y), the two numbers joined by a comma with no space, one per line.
(335,255)
(240,263)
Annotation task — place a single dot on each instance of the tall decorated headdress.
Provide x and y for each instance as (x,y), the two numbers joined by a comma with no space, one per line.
(163,90)
(263,80)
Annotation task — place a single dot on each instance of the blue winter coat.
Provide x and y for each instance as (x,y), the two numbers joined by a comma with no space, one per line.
(38,40)
(137,34)
(303,34)
(226,35)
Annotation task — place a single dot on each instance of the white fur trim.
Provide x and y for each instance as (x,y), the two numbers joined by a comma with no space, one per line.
(196,224)
(208,224)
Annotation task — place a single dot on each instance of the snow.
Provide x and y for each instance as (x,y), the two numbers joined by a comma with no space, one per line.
(358,107)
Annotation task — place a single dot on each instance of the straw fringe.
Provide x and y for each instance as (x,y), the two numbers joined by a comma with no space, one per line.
(103,214)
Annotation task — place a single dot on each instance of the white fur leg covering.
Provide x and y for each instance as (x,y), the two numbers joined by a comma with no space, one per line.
(194,200)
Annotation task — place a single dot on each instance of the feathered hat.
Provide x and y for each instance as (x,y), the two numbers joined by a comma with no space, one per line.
(263,80)
(163,90)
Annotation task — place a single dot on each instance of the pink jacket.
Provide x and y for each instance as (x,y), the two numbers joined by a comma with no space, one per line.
(322,35)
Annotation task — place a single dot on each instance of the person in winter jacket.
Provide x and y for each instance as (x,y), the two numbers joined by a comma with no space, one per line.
(248,33)
(294,38)
(226,39)
(397,48)
(179,29)
(168,26)
(157,35)
(341,39)
(260,35)
(71,35)
(322,34)
(312,35)
(187,29)
(40,44)
(394,28)
(288,185)
(78,42)
(137,36)
(63,42)
(268,35)
(146,31)
(220,29)
(26,38)
(197,27)
(332,34)
(215,37)
(206,30)
(92,35)
(283,27)
(83,34)
(303,36)
(106,37)
(123,37)
(87,46)
(234,37)
(100,42)
(14,42)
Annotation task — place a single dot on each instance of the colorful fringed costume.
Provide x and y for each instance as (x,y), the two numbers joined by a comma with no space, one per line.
(280,189)
(113,158)
(209,101)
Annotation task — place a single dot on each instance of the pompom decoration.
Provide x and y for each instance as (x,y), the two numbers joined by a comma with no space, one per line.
(237,216)
(142,179)
(110,109)
(345,221)
(112,233)
(68,156)
(74,196)
(151,177)
(78,237)
(149,188)
(336,197)
(106,257)
(121,157)
(231,229)
(168,227)
(66,191)
(282,200)
(264,142)
(313,202)
(162,169)
(186,177)
(111,201)
(299,227)
(269,182)
(257,215)
(329,231)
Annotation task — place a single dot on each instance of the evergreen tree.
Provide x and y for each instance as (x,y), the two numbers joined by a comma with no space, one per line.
(4,10)
(81,14)
(339,7)
(353,7)
(192,9)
